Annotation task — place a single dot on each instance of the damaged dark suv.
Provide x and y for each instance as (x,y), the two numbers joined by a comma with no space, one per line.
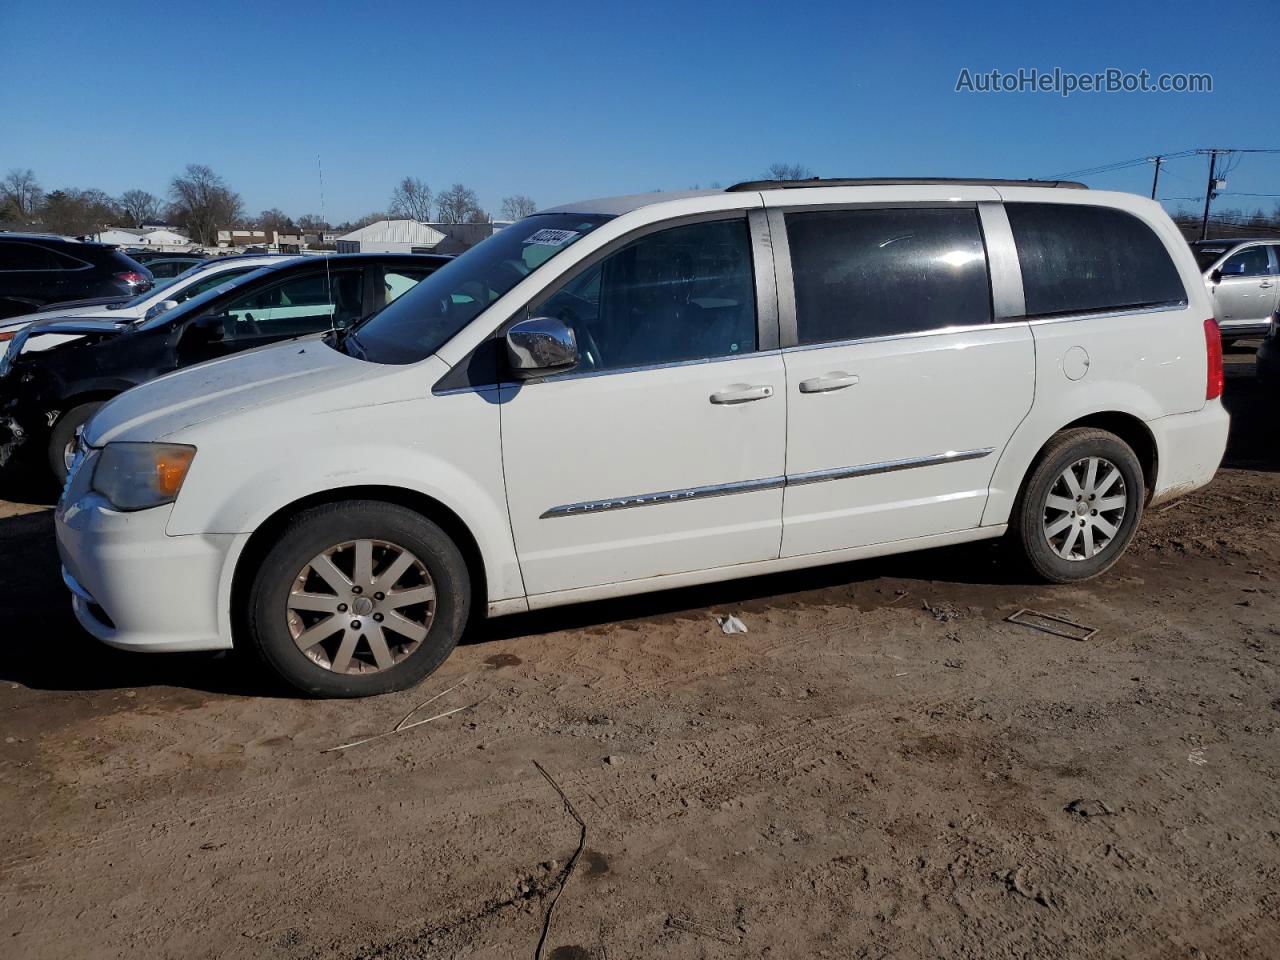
(57,373)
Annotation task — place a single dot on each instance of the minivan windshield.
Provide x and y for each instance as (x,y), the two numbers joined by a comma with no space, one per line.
(197,303)
(417,324)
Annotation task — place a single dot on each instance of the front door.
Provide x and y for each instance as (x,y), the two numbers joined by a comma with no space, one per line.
(900,391)
(663,451)
(1247,291)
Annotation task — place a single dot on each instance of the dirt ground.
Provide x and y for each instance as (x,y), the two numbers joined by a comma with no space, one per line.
(881,767)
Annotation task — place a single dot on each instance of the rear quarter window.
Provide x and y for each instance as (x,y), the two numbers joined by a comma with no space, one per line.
(1080,259)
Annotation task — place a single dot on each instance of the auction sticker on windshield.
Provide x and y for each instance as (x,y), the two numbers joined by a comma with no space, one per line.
(553,238)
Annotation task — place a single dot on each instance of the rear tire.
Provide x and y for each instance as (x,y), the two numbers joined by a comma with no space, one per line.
(62,438)
(1080,506)
(356,599)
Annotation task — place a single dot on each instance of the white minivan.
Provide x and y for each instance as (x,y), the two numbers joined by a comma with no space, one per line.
(636,393)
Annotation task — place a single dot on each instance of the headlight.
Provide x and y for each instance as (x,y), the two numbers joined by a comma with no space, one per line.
(136,476)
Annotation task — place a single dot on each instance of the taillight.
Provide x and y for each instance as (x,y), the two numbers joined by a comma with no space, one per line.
(132,277)
(7,335)
(1213,350)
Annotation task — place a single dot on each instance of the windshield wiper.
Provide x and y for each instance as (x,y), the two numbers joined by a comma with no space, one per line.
(345,339)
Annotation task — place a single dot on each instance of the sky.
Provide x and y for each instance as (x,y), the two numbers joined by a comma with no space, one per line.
(562,101)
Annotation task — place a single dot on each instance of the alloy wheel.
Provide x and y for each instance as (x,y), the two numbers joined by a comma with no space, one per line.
(1085,509)
(361,607)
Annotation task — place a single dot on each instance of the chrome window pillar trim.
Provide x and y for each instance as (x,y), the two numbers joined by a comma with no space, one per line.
(766,284)
(886,466)
(666,496)
(788,331)
(768,483)
(1007,298)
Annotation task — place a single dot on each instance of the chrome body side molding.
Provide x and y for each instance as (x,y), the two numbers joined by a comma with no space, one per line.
(666,496)
(888,466)
(768,483)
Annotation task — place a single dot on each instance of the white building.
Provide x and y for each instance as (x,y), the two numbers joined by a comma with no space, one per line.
(392,236)
(164,237)
(160,238)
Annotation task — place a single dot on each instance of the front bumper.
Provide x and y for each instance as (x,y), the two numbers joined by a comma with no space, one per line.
(136,588)
(1189,448)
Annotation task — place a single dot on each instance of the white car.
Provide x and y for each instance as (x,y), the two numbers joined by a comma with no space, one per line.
(636,393)
(165,295)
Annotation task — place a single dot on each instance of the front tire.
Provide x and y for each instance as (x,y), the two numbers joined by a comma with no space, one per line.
(1080,507)
(62,439)
(356,599)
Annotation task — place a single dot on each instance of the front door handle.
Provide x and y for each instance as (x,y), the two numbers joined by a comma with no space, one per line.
(741,393)
(832,381)
(1264,284)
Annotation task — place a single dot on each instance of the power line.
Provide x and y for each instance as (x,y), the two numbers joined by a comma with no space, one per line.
(1120,165)
(1172,155)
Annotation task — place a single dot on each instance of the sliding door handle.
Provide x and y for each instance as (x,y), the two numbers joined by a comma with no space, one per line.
(741,393)
(832,381)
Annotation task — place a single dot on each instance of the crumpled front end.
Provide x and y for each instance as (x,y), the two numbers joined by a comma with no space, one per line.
(13,437)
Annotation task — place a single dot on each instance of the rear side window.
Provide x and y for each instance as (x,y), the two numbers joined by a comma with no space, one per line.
(212,283)
(874,273)
(30,256)
(1077,259)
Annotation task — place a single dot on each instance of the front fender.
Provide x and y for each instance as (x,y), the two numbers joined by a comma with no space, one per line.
(446,448)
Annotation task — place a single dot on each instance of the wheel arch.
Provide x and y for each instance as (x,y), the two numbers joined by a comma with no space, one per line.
(95,395)
(266,533)
(1024,451)
(1128,428)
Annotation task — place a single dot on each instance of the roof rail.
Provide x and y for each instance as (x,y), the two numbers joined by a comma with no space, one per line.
(895,182)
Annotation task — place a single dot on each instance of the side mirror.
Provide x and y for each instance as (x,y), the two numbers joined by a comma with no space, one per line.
(204,329)
(1216,276)
(162,307)
(540,346)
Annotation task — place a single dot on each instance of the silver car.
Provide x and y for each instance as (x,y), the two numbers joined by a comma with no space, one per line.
(1243,277)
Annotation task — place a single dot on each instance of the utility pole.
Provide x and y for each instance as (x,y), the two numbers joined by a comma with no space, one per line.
(1155,180)
(1208,194)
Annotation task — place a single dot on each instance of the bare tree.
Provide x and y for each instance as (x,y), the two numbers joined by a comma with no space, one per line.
(459,204)
(787,171)
(517,207)
(202,202)
(312,223)
(275,220)
(139,207)
(411,199)
(78,212)
(359,222)
(20,191)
